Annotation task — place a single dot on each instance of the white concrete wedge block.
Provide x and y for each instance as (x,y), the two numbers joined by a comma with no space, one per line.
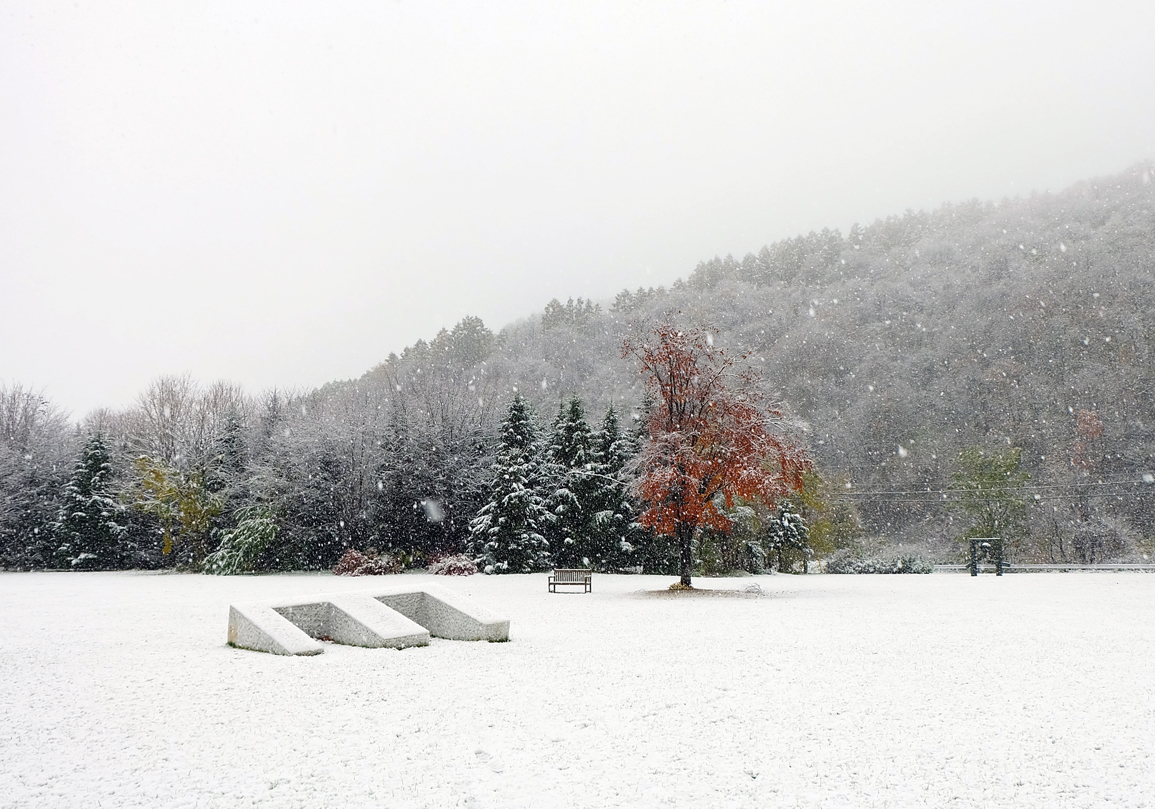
(357,619)
(446,614)
(350,618)
(260,628)
(395,618)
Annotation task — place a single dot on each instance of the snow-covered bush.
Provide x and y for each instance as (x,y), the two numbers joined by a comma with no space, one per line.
(241,548)
(847,562)
(355,563)
(459,565)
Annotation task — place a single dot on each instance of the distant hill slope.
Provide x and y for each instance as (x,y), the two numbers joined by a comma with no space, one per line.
(894,348)
(978,324)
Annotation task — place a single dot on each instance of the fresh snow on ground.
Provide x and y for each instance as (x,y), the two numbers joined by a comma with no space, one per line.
(1030,690)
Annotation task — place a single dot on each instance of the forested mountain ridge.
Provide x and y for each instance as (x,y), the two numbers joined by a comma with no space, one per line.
(974,325)
(908,340)
(893,349)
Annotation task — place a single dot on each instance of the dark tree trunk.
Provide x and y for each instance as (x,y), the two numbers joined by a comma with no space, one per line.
(685,534)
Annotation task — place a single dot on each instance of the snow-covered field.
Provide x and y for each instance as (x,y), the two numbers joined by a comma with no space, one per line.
(839,691)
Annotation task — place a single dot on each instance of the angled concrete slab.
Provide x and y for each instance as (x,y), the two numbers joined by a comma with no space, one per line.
(393,618)
(446,614)
(354,619)
(258,627)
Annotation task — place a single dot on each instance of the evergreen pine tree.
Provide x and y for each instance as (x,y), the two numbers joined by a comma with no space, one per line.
(401,480)
(90,526)
(787,537)
(226,474)
(614,532)
(572,528)
(227,469)
(506,535)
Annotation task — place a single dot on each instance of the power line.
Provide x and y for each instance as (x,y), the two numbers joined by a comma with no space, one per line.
(993,489)
(949,500)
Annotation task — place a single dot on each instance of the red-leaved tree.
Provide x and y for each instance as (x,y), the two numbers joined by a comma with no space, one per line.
(710,437)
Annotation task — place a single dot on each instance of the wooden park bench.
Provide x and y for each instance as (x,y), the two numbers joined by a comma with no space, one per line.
(576,578)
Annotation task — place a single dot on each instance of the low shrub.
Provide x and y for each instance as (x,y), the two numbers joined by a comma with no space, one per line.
(241,548)
(459,565)
(355,563)
(849,563)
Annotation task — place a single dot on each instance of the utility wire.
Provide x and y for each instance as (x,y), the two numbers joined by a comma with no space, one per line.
(1040,487)
(949,500)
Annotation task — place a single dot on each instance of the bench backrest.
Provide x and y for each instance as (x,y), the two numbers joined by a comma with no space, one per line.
(571,575)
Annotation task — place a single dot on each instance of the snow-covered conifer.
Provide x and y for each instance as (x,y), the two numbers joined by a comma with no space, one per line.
(615,530)
(787,536)
(506,535)
(90,524)
(572,504)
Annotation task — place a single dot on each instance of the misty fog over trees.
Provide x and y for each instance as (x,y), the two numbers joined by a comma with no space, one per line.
(1014,336)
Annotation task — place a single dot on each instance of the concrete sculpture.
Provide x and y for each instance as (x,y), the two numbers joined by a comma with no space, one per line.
(393,618)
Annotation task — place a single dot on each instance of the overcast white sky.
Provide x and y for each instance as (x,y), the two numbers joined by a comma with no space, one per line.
(281,193)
